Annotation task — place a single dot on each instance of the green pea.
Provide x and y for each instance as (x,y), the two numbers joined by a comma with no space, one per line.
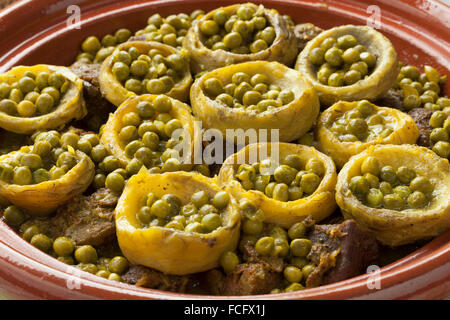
(316,166)
(221,200)
(86,254)
(316,56)
(42,242)
(417,199)
(229,261)
(27,84)
(213,87)
(14,216)
(333,56)
(268,35)
(388,174)
(297,230)
(293,275)
(368,58)
(336,80)
(63,246)
(56,173)
(361,67)
(265,245)
(5,90)
(411,102)
(393,201)
(54,93)
(307,270)
(56,80)
(359,185)
(115,182)
(421,184)
(442,148)
(91,44)
(22,176)
(118,265)
(8,106)
(309,182)
(226,99)
(211,221)
(347,41)
(374,197)
(209,27)
(30,232)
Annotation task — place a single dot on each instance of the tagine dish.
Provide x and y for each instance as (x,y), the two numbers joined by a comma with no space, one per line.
(120,164)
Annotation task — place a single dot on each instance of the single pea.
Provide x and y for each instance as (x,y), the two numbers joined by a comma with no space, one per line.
(226,99)
(115,182)
(233,40)
(421,184)
(14,215)
(229,261)
(196,227)
(86,254)
(307,270)
(361,67)
(316,56)
(40,175)
(388,174)
(368,58)
(45,103)
(118,265)
(293,274)
(122,35)
(309,182)
(26,108)
(56,80)
(393,201)
(30,232)
(156,86)
(56,173)
(411,102)
(42,242)
(63,246)
(27,84)
(374,197)
(53,92)
(8,106)
(359,185)
(22,176)
(281,192)
(336,80)
(209,27)
(316,166)
(297,230)
(442,148)
(213,87)
(221,200)
(91,44)
(160,209)
(253,227)
(300,247)
(333,56)
(265,245)
(347,41)
(370,165)
(211,221)
(417,199)
(268,34)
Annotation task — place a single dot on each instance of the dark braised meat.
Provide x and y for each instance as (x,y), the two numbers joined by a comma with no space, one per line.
(97,106)
(305,32)
(149,278)
(257,275)
(392,99)
(85,219)
(422,117)
(340,252)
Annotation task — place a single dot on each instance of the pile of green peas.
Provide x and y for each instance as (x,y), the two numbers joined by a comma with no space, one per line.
(385,187)
(151,72)
(170,30)
(342,61)
(244,32)
(421,89)
(252,92)
(147,137)
(201,214)
(33,94)
(46,160)
(94,50)
(84,257)
(289,181)
(439,136)
(361,123)
(270,240)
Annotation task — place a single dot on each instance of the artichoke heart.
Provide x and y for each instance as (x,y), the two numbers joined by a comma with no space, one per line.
(169,250)
(382,126)
(181,112)
(292,120)
(71,105)
(283,48)
(318,204)
(370,87)
(395,227)
(116,93)
(43,198)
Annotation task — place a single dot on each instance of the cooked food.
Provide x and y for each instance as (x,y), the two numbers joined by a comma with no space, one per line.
(178,223)
(139,67)
(256,95)
(349,63)
(398,193)
(300,170)
(42,177)
(239,33)
(41,97)
(144,131)
(124,167)
(347,128)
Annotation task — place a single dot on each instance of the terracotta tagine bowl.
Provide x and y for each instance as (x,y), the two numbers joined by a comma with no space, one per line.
(39,33)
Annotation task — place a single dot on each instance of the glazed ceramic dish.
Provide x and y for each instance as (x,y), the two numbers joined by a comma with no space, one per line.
(419,33)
